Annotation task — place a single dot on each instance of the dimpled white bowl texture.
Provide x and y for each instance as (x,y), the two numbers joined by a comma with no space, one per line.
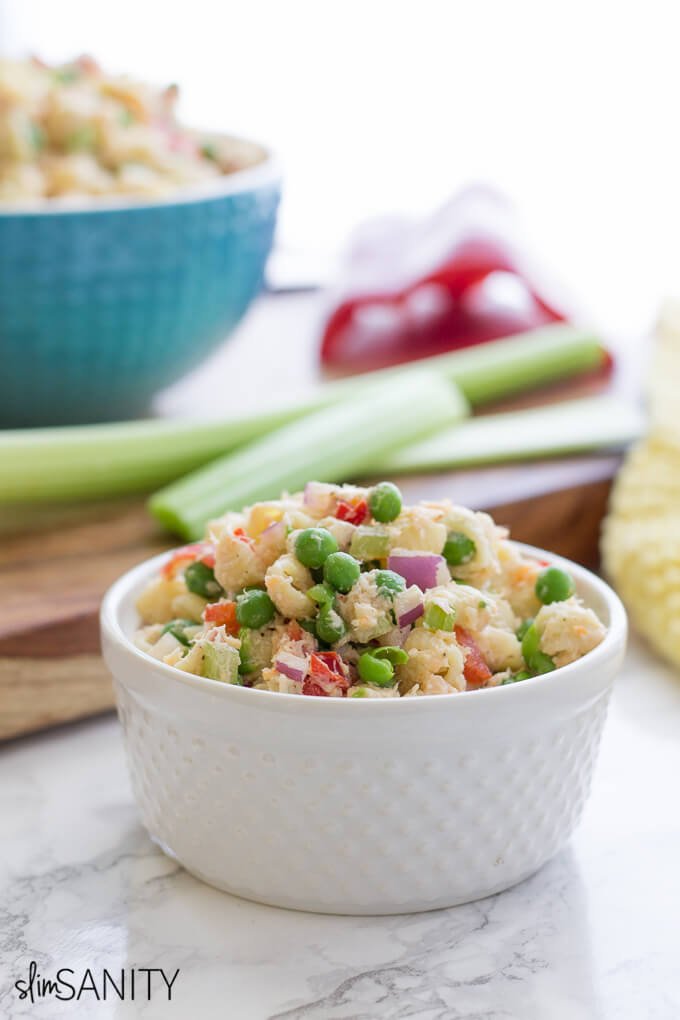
(356,806)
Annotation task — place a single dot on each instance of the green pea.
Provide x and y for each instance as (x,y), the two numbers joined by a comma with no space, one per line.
(322,594)
(254,609)
(384,502)
(313,546)
(438,618)
(389,583)
(200,579)
(341,571)
(330,626)
(397,656)
(554,585)
(458,548)
(376,671)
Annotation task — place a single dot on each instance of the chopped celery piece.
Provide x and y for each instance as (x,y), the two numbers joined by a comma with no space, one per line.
(530,641)
(369,543)
(256,650)
(331,444)
(536,660)
(438,618)
(524,627)
(221,662)
(247,662)
(95,461)
(569,427)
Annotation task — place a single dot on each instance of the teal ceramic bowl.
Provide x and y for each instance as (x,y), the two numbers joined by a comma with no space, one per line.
(102,305)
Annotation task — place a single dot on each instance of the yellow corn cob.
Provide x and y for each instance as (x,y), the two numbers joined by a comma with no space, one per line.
(641,534)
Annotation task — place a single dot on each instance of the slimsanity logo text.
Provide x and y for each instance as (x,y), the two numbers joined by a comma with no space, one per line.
(129,983)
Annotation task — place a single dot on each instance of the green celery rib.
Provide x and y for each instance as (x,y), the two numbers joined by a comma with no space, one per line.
(500,368)
(96,461)
(330,444)
(573,426)
(93,461)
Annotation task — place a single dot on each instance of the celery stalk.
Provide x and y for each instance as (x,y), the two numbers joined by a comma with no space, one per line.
(570,427)
(95,461)
(331,444)
(499,368)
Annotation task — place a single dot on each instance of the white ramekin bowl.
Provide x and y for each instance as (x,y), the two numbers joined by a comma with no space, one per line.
(360,806)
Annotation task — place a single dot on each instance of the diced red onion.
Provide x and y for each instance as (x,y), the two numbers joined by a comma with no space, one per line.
(319,498)
(419,568)
(408,606)
(293,666)
(411,616)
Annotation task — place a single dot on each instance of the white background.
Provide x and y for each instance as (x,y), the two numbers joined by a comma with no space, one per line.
(572,108)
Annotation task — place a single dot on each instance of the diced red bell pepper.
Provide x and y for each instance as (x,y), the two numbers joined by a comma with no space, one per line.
(203,552)
(314,689)
(326,673)
(241,535)
(475,671)
(411,290)
(222,614)
(353,512)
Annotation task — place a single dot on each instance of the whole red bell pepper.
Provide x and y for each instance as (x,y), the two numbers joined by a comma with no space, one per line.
(411,290)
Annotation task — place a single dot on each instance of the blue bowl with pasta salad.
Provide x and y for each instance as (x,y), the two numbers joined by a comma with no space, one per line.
(130,246)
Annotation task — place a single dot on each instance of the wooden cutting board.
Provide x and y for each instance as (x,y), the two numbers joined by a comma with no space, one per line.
(56,563)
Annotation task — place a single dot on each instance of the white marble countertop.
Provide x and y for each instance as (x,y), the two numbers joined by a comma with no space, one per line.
(593,936)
